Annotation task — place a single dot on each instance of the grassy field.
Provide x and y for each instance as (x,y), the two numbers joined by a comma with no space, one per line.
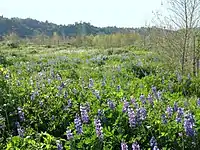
(84,98)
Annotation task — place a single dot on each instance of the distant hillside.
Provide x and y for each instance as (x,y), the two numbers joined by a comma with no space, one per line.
(31,27)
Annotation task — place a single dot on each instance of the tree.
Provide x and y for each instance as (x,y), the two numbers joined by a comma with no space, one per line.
(179,29)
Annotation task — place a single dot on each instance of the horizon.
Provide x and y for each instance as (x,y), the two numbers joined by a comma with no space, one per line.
(114,13)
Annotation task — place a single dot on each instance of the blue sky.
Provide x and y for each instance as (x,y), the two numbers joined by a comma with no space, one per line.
(121,13)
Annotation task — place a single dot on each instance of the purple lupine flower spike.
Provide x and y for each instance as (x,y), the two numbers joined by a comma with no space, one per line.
(169,111)
(135,146)
(78,124)
(84,114)
(98,128)
(69,134)
(124,146)
(59,145)
(132,118)
(125,107)
(189,125)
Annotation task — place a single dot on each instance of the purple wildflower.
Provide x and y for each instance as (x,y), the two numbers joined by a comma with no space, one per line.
(69,134)
(180,113)
(189,125)
(156,148)
(150,99)
(141,114)
(169,111)
(59,145)
(84,114)
(100,113)
(66,94)
(69,103)
(175,106)
(154,90)
(20,130)
(111,104)
(124,146)
(159,94)
(132,117)
(91,83)
(21,114)
(98,128)
(87,106)
(78,124)
(125,107)
(142,99)
(153,142)
(33,95)
(118,88)
(164,119)
(135,146)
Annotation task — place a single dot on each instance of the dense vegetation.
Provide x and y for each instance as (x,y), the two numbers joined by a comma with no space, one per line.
(83,87)
(30,27)
(73,98)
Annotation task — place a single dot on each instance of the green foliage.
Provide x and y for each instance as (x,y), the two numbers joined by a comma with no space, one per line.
(35,92)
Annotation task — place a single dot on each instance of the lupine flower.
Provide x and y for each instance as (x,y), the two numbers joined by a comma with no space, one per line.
(169,111)
(175,106)
(135,146)
(118,88)
(100,113)
(159,94)
(84,114)
(164,119)
(78,124)
(103,83)
(156,148)
(141,114)
(153,142)
(69,103)
(125,107)
(142,99)
(133,101)
(33,95)
(111,104)
(124,146)
(198,102)
(98,128)
(180,113)
(150,99)
(59,145)
(66,94)
(21,114)
(189,125)
(69,134)
(132,117)
(91,83)
(20,131)
(87,106)
(154,91)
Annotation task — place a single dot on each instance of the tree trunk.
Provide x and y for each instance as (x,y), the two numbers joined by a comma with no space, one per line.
(194,56)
